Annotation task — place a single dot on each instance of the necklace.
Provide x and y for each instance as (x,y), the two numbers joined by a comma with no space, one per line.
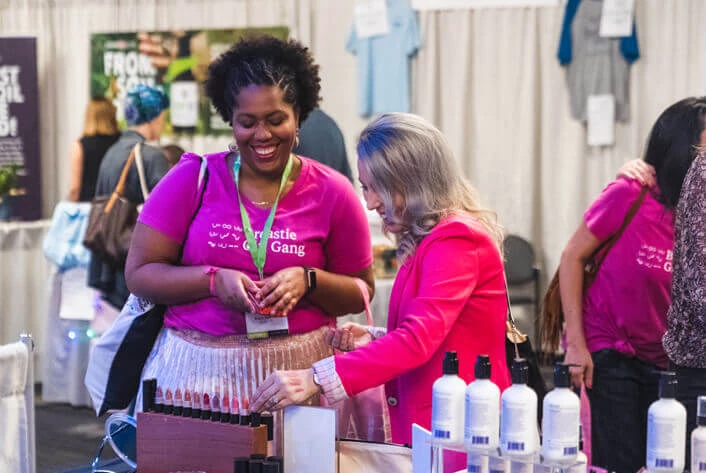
(264,203)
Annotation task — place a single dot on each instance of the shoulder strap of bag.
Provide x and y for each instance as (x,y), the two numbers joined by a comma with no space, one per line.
(141,171)
(602,250)
(120,187)
(515,335)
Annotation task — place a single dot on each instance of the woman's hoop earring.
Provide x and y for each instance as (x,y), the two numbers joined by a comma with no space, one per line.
(233,147)
(296,140)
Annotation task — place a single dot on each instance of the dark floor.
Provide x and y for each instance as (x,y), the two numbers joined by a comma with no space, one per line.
(68,439)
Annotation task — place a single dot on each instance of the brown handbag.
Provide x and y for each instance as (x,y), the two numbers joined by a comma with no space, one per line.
(552,310)
(112,220)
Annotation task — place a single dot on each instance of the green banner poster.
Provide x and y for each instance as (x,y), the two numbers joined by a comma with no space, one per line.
(176,60)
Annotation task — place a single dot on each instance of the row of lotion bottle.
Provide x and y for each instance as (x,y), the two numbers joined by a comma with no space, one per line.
(519,438)
(666,429)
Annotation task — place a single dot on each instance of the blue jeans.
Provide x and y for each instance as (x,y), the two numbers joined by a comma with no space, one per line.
(691,383)
(623,389)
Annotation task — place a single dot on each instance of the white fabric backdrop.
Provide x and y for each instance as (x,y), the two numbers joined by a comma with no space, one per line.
(488,78)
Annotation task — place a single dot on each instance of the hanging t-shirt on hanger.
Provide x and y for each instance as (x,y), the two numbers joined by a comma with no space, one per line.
(384,61)
(595,65)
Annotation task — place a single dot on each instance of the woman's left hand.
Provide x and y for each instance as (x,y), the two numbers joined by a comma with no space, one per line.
(282,290)
(640,171)
(284,388)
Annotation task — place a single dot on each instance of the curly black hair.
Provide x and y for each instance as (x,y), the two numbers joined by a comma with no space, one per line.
(264,60)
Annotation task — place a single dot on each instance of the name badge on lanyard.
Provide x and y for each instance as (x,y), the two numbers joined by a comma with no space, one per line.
(261,325)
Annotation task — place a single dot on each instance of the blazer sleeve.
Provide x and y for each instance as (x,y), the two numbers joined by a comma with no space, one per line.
(443,292)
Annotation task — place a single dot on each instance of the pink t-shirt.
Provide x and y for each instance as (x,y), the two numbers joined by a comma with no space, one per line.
(626,307)
(319,223)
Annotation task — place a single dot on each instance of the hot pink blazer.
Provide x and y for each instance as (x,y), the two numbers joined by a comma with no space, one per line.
(448,296)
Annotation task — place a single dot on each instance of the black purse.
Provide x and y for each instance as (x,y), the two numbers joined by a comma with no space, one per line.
(518,345)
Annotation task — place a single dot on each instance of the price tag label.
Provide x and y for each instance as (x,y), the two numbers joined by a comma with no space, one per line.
(371,18)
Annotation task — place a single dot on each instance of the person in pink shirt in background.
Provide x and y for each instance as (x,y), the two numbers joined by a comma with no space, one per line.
(235,313)
(614,329)
(449,293)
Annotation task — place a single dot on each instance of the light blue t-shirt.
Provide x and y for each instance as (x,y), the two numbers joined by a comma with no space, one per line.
(384,61)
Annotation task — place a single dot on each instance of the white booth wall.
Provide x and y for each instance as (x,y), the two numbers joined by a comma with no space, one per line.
(489,78)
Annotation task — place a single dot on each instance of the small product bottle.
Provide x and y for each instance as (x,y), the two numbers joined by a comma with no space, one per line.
(278,460)
(518,428)
(270,467)
(447,403)
(477,463)
(698,438)
(497,464)
(184,91)
(241,465)
(666,429)
(482,425)
(560,422)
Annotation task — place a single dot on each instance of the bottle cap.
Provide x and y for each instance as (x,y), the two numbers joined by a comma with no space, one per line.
(240,465)
(562,377)
(667,385)
(701,410)
(256,420)
(255,466)
(270,467)
(482,368)
(269,421)
(450,365)
(580,437)
(258,456)
(277,459)
(519,371)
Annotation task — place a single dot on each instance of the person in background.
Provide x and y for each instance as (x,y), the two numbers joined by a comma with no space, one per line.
(449,294)
(321,139)
(614,329)
(100,131)
(685,339)
(144,111)
(235,312)
(173,153)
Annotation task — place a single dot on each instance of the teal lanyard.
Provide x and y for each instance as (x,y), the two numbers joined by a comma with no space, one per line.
(259,251)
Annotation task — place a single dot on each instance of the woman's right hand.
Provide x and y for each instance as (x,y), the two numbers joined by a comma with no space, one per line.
(348,337)
(232,288)
(582,369)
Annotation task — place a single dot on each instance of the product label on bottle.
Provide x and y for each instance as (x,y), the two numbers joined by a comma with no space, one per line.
(560,429)
(698,454)
(184,100)
(518,427)
(478,427)
(662,442)
(447,417)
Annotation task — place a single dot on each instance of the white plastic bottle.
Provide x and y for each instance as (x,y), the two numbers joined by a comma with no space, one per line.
(560,421)
(482,425)
(477,463)
(580,465)
(497,464)
(518,429)
(698,438)
(666,429)
(447,403)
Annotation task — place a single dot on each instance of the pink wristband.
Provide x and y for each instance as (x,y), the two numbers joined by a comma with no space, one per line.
(211,271)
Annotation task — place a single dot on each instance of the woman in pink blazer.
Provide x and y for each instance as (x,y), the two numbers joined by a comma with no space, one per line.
(449,294)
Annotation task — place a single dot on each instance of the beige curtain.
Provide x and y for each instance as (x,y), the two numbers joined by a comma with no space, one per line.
(488,78)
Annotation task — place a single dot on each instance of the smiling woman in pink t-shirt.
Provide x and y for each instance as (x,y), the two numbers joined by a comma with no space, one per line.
(614,328)
(256,264)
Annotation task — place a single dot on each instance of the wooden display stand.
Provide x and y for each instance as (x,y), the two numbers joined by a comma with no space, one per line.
(168,443)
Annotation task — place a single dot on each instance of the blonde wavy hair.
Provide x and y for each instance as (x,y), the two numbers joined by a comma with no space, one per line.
(406,155)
